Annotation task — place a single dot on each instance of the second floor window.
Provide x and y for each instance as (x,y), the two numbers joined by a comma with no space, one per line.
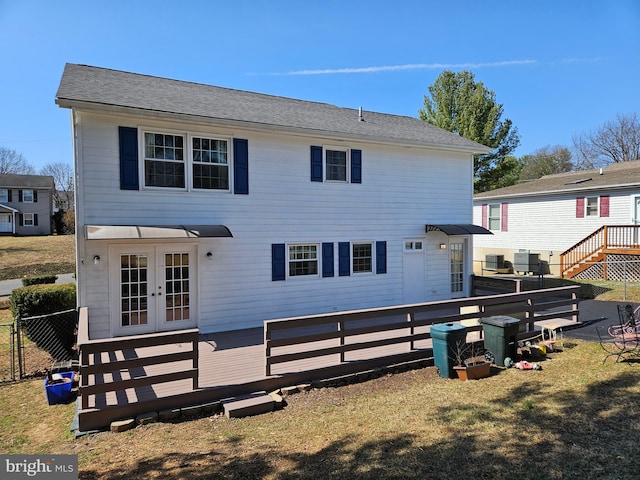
(4,195)
(337,165)
(592,206)
(186,162)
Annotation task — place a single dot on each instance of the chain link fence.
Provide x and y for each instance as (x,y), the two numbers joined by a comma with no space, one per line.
(32,346)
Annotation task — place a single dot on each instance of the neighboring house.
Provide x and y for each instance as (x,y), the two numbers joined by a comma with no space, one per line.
(217,208)
(25,204)
(586,214)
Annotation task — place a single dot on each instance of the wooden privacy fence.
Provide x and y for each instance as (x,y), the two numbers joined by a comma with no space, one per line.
(106,359)
(311,337)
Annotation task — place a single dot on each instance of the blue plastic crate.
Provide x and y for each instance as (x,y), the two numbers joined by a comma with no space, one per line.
(59,392)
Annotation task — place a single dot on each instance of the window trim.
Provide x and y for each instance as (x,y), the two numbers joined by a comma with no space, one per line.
(24,220)
(410,245)
(347,154)
(318,260)
(372,245)
(188,159)
(5,197)
(24,192)
(596,201)
(499,217)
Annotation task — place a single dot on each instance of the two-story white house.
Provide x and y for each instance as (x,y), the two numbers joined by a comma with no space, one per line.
(218,208)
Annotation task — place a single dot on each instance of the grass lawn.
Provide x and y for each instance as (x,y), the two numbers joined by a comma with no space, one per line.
(576,419)
(29,256)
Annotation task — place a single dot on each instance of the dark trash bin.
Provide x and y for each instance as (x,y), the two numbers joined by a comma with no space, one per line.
(445,338)
(501,337)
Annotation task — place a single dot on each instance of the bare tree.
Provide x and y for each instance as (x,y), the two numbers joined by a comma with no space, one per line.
(62,174)
(615,141)
(13,162)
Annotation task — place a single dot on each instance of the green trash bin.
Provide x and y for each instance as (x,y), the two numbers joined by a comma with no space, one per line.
(501,337)
(445,337)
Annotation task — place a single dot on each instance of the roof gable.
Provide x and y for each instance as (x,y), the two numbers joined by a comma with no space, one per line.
(103,88)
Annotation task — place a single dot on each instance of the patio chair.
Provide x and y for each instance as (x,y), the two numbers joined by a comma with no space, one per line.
(623,346)
(628,321)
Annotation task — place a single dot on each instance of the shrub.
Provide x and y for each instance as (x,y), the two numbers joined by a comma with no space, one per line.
(37,300)
(39,280)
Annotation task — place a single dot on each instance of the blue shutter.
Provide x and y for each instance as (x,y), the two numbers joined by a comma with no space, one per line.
(278,262)
(241,166)
(316,164)
(128,158)
(381,257)
(327,260)
(356,166)
(344,259)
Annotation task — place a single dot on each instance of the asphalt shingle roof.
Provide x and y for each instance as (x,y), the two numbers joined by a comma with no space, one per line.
(615,176)
(100,87)
(10,180)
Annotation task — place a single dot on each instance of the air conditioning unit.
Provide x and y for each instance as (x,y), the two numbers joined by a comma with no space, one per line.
(494,262)
(526,262)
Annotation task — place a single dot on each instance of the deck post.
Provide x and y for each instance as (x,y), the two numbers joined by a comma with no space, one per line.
(410,317)
(341,330)
(267,350)
(195,341)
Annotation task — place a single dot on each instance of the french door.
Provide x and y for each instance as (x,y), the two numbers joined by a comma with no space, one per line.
(152,288)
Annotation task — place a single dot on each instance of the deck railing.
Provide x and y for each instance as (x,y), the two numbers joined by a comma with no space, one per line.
(343,332)
(99,357)
(606,237)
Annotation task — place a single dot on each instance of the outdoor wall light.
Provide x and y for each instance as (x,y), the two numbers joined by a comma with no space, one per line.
(209,256)
(443,246)
(96,259)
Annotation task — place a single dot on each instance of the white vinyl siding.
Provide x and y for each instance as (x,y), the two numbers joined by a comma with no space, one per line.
(405,190)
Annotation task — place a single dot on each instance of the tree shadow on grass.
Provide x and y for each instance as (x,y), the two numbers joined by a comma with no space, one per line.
(591,435)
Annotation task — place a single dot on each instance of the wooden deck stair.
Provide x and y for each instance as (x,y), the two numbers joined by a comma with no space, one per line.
(607,240)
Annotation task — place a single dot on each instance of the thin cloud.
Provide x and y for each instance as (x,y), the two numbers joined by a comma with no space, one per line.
(410,66)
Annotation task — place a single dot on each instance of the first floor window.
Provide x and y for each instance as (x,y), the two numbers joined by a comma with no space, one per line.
(164,161)
(362,257)
(336,165)
(592,206)
(494,216)
(28,220)
(303,260)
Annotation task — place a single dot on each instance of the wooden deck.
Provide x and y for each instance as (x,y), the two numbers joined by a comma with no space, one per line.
(122,377)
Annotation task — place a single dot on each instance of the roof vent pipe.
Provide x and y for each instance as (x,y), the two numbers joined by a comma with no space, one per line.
(600,170)
(360,115)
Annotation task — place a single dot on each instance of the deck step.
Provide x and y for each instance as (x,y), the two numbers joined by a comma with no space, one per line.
(255,404)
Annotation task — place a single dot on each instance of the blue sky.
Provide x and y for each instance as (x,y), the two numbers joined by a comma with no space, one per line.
(560,68)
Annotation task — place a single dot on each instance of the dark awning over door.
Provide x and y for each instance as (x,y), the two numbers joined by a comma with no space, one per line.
(116,232)
(459,229)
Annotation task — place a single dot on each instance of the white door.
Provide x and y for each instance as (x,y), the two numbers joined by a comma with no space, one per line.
(153,288)
(414,272)
(5,223)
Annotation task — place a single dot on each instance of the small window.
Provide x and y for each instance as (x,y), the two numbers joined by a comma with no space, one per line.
(362,254)
(164,161)
(303,260)
(592,206)
(4,195)
(413,246)
(28,220)
(494,216)
(337,165)
(27,196)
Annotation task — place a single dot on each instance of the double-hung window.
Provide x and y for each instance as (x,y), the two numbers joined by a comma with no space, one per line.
(27,196)
(4,195)
(186,161)
(210,163)
(362,255)
(164,160)
(494,216)
(303,260)
(28,220)
(336,165)
(592,206)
